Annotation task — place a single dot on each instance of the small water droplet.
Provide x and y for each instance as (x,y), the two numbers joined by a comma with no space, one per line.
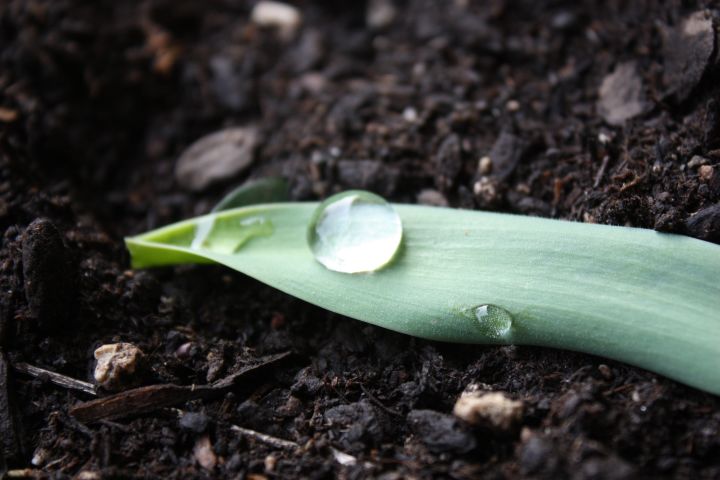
(355,232)
(496,322)
(227,234)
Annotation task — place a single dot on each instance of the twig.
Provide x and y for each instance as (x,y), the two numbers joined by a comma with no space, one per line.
(153,397)
(56,378)
(25,473)
(265,438)
(601,172)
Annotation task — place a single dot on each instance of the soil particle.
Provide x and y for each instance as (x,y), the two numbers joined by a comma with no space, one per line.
(705,224)
(49,275)
(440,432)
(448,162)
(506,154)
(368,175)
(355,425)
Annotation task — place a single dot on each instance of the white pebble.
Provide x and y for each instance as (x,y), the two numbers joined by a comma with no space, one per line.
(284,17)
(493,410)
(115,364)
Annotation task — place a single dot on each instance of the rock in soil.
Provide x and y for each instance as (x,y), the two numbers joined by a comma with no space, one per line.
(49,274)
(687,48)
(117,365)
(493,410)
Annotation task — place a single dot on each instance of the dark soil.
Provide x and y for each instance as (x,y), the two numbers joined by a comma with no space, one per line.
(98,100)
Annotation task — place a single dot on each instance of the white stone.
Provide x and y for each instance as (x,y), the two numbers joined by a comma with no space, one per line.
(116,363)
(284,17)
(490,409)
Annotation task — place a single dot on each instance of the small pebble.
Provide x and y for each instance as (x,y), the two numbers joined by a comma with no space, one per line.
(204,453)
(486,190)
(284,17)
(493,410)
(605,371)
(116,365)
(410,114)
(485,165)
(706,172)
(270,462)
(380,14)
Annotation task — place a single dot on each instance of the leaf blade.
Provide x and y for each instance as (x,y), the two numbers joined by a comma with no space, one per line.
(634,295)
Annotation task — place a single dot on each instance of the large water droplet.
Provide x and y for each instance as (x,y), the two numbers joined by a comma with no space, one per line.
(354,232)
(494,321)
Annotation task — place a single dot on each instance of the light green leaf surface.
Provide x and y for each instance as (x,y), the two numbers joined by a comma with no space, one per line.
(642,297)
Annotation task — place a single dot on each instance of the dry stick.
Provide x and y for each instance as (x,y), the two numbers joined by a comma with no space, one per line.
(265,438)
(601,172)
(56,378)
(153,397)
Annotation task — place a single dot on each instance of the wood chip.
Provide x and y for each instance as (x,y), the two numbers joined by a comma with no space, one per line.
(216,157)
(621,96)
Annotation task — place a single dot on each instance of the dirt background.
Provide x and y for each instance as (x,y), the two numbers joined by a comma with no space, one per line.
(601,112)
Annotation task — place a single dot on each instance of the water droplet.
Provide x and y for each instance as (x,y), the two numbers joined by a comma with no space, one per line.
(354,232)
(227,234)
(494,321)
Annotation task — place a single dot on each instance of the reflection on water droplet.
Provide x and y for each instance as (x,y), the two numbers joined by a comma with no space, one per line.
(355,232)
(494,321)
(228,234)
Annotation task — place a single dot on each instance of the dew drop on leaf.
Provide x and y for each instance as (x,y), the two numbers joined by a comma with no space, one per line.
(355,232)
(494,321)
(227,235)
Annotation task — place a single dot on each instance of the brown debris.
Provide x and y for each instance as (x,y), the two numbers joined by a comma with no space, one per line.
(153,397)
(56,378)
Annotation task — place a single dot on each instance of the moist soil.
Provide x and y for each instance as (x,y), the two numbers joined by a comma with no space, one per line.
(600,112)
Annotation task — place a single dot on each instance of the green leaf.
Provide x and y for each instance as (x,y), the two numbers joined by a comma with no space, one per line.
(263,190)
(642,297)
